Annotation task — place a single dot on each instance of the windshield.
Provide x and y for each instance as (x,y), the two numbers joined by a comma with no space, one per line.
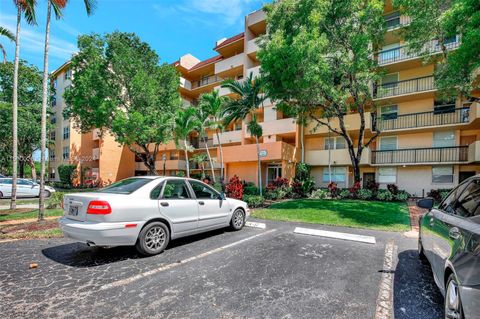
(126,186)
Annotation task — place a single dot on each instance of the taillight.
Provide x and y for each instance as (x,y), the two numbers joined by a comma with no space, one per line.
(99,207)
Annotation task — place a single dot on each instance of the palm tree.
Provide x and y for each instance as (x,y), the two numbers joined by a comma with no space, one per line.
(185,123)
(213,105)
(28,8)
(58,6)
(200,160)
(9,35)
(204,119)
(249,100)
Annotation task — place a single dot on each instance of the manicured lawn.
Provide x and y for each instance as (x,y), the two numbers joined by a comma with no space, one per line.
(30,214)
(349,213)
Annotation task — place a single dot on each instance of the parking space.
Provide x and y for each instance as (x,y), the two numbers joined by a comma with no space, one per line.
(253,273)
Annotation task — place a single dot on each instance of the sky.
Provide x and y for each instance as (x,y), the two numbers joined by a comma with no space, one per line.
(172,28)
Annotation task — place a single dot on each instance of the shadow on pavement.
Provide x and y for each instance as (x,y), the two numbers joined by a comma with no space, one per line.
(81,256)
(416,295)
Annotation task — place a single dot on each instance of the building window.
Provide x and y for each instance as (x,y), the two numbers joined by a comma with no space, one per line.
(392,20)
(52,173)
(339,174)
(55,83)
(387,175)
(66,153)
(52,155)
(390,80)
(53,119)
(388,143)
(335,143)
(52,135)
(274,172)
(54,101)
(442,174)
(68,74)
(66,132)
(389,112)
(444,139)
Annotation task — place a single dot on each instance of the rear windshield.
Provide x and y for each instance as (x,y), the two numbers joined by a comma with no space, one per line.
(126,186)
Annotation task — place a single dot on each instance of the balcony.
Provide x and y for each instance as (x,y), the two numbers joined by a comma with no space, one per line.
(397,22)
(228,137)
(255,71)
(429,155)
(402,53)
(96,134)
(337,157)
(283,126)
(275,151)
(474,152)
(95,154)
(252,46)
(352,123)
(169,165)
(186,84)
(256,17)
(424,119)
(208,80)
(410,86)
(199,143)
(229,63)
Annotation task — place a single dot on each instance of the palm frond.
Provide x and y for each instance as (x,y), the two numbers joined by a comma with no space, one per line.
(7,33)
(58,6)
(4,53)
(29,11)
(90,6)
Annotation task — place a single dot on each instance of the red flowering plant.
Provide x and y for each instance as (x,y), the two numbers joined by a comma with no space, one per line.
(354,189)
(278,189)
(333,189)
(234,188)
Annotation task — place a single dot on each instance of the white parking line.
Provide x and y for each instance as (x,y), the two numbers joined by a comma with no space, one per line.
(256,225)
(333,234)
(171,266)
(385,294)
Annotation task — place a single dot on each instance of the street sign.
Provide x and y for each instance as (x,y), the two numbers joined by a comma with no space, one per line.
(262,153)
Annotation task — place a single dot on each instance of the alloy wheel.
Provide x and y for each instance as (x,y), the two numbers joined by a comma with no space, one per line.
(452,301)
(238,218)
(155,238)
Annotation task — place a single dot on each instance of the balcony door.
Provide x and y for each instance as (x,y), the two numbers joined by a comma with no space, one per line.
(274,171)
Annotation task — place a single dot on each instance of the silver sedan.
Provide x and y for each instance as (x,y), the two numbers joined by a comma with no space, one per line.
(25,188)
(148,211)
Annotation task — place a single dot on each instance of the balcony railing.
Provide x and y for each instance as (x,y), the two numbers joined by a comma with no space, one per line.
(422,84)
(402,53)
(200,142)
(452,154)
(397,21)
(206,81)
(424,119)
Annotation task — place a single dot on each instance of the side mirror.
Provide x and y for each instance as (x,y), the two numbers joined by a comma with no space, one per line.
(222,196)
(426,203)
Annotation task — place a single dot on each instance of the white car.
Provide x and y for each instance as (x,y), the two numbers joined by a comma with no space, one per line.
(147,212)
(25,188)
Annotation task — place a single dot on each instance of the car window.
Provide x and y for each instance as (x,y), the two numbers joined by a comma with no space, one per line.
(126,186)
(23,182)
(6,181)
(155,193)
(203,191)
(468,203)
(175,189)
(448,203)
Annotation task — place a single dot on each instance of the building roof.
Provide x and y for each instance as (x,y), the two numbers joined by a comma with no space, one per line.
(60,68)
(230,40)
(206,62)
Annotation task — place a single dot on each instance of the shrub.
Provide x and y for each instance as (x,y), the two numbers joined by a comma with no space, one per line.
(234,188)
(344,194)
(55,201)
(218,187)
(444,193)
(364,193)
(254,200)
(384,195)
(278,189)
(435,194)
(333,189)
(393,188)
(67,173)
(250,189)
(319,194)
(354,189)
(303,182)
(402,196)
(373,186)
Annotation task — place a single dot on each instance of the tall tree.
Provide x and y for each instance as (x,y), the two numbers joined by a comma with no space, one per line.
(28,8)
(200,160)
(186,122)
(120,87)
(4,32)
(318,57)
(204,119)
(441,21)
(249,99)
(212,103)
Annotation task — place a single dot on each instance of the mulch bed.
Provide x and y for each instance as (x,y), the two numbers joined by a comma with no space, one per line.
(29,227)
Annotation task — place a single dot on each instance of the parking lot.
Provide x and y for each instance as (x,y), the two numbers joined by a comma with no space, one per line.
(253,273)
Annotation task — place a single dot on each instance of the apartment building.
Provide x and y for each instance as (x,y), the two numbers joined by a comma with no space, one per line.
(99,158)
(425,143)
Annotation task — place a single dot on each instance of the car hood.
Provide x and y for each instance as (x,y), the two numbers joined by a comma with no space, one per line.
(235,202)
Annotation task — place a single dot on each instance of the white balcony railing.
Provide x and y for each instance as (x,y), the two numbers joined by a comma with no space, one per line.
(229,63)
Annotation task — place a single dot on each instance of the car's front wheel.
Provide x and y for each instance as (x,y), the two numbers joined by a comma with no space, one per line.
(153,239)
(1,195)
(238,219)
(453,303)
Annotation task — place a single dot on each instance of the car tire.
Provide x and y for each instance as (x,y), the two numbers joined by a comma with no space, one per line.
(153,239)
(238,219)
(47,194)
(453,302)
(1,195)
(421,251)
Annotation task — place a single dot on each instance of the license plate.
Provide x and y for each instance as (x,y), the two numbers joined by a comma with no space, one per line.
(73,210)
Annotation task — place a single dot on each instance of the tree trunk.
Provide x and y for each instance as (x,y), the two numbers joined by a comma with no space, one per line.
(41,201)
(13,200)
(259,167)
(31,163)
(186,158)
(222,172)
(210,160)
(302,143)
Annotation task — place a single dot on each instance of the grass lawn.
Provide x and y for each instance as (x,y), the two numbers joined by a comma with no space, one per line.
(31,214)
(389,216)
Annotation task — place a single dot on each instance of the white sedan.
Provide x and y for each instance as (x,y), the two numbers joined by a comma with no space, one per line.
(147,212)
(25,188)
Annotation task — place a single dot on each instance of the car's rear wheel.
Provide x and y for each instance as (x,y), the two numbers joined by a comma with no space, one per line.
(153,239)
(1,195)
(46,194)
(453,303)
(238,219)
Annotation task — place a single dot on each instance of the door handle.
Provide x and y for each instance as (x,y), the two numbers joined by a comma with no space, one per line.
(454,233)
(201,203)
(164,204)
(432,221)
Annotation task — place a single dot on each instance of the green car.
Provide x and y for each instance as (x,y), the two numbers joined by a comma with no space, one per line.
(450,241)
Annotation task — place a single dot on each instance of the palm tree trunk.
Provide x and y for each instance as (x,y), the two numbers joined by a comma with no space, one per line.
(259,167)
(210,159)
(13,200)
(302,143)
(31,163)
(186,158)
(222,172)
(41,201)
